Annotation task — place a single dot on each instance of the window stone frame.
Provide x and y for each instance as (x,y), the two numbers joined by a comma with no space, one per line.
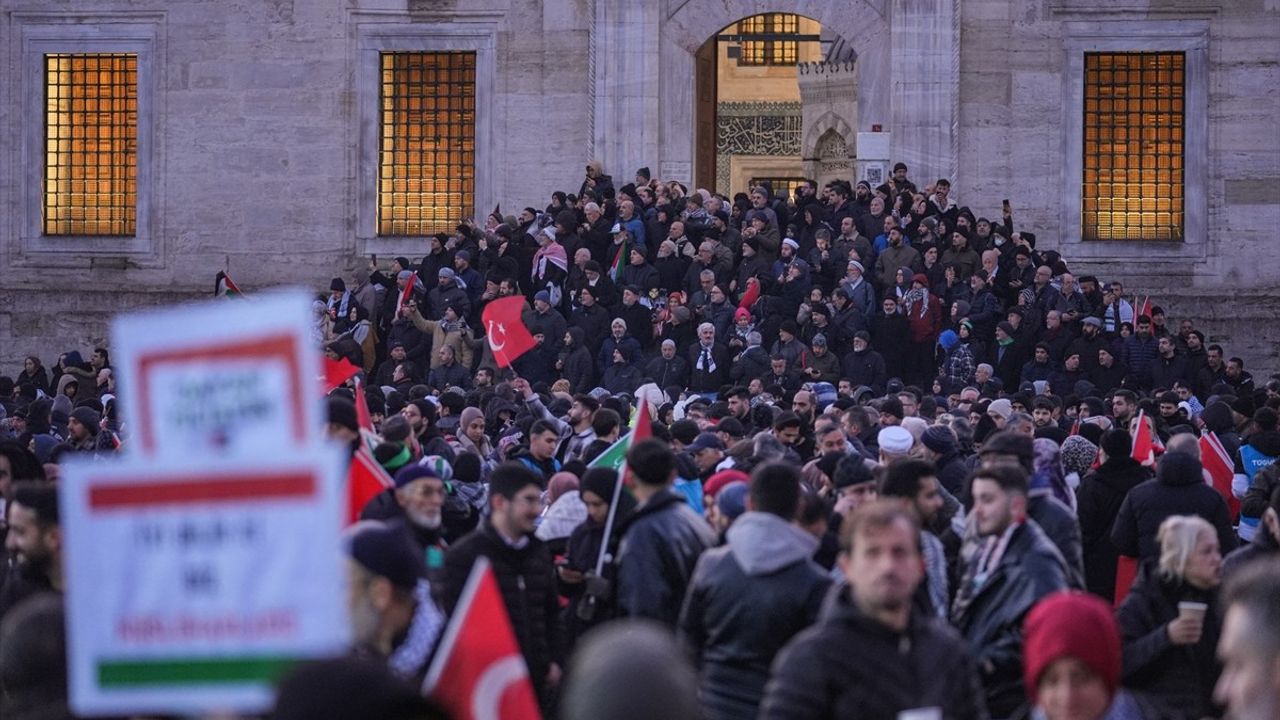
(1187,36)
(38,34)
(393,32)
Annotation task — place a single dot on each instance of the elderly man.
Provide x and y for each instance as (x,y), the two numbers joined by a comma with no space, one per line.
(708,362)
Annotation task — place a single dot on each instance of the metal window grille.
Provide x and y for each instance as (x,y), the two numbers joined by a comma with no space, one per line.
(782,186)
(771,50)
(427,141)
(91,144)
(1134,131)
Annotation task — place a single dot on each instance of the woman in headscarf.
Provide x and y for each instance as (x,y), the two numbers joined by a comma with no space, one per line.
(1048,476)
(563,511)
(550,265)
(471,437)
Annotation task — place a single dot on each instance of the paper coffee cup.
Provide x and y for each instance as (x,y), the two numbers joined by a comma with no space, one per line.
(1192,609)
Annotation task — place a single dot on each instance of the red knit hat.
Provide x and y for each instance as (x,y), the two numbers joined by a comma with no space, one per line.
(716,483)
(1075,625)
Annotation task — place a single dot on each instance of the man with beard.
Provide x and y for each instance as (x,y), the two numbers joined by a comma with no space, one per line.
(384,571)
(521,565)
(914,482)
(34,542)
(870,655)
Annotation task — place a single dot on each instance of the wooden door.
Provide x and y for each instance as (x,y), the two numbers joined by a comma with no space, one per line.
(704,153)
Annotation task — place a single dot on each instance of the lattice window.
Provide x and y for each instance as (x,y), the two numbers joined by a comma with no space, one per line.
(1134,130)
(91,144)
(427,141)
(782,186)
(770,49)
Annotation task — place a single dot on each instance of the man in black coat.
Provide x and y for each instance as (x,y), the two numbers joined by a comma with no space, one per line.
(668,368)
(749,597)
(521,564)
(662,539)
(870,655)
(1099,498)
(1013,569)
(1178,489)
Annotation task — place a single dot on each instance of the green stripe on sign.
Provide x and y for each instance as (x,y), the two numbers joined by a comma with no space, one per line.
(192,671)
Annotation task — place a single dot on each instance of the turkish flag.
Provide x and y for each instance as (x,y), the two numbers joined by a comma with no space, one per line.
(407,295)
(504,329)
(1143,444)
(1219,470)
(363,418)
(337,372)
(365,479)
(478,673)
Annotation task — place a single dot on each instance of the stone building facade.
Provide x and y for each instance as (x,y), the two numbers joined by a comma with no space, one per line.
(257,126)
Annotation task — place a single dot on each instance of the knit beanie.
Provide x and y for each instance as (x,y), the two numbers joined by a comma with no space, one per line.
(721,480)
(1071,625)
(948,339)
(87,417)
(731,501)
(409,473)
(940,439)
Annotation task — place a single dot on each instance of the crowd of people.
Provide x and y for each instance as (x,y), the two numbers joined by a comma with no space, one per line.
(897,466)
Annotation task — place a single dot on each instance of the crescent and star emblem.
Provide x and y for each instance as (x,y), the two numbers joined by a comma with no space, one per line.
(496,329)
(486,701)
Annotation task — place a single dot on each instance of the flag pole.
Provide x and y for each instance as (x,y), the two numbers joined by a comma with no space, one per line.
(613,502)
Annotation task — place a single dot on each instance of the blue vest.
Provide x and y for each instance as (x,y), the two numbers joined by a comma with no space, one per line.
(1252,460)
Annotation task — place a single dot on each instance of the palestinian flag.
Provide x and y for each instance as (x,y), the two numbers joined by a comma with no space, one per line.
(224,287)
(619,262)
(615,456)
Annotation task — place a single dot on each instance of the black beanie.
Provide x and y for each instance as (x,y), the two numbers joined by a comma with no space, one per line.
(343,412)
(384,550)
(1117,443)
(466,468)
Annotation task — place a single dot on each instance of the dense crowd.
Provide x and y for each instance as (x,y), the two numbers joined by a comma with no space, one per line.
(901,460)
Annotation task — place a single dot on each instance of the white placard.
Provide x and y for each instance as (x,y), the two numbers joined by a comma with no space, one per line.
(190,588)
(225,377)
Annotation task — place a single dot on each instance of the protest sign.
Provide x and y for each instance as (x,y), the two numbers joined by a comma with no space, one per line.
(190,589)
(219,378)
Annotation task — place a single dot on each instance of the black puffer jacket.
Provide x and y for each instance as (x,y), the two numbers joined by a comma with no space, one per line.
(991,618)
(1098,498)
(526,579)
(746,600)
(1178,679)
(850,666)
(660,545)
(1178,489)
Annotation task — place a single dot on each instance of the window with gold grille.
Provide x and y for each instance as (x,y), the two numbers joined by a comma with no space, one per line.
(91,144)
(1134,130)
(773,48)
(427,141)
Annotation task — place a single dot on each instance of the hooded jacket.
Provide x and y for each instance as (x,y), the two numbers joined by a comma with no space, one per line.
(1178,489)
(578,367)
(850,666)
(746,600)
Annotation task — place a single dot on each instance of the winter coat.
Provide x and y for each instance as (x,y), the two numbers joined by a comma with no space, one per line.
(890,336)
(666,373)
(925,323)
(750,364)
(1098,501)
(660,546)
(1178,679)
(850,666)
(578,367)
(991,620)
(621,378)
(701,380)
(1154,501)
(1164,372)
(527,582)
(746,600)
(866,368)
(1062,528)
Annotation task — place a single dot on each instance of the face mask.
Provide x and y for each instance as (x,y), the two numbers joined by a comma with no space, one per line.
(999,240)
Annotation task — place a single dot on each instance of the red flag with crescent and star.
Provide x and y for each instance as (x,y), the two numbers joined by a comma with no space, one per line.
(508,337)
(478,673)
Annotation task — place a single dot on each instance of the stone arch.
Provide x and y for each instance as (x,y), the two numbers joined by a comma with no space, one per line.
(859,22)
(828,122)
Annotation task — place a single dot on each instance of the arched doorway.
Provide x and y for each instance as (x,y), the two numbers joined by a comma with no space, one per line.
(763,84)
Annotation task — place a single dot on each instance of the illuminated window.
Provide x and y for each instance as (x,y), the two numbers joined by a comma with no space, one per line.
(771,49)
(1134,130)
(427,141)
(782,186)
(91,144)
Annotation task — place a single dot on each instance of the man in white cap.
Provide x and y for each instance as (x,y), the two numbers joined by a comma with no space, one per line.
(895,441)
